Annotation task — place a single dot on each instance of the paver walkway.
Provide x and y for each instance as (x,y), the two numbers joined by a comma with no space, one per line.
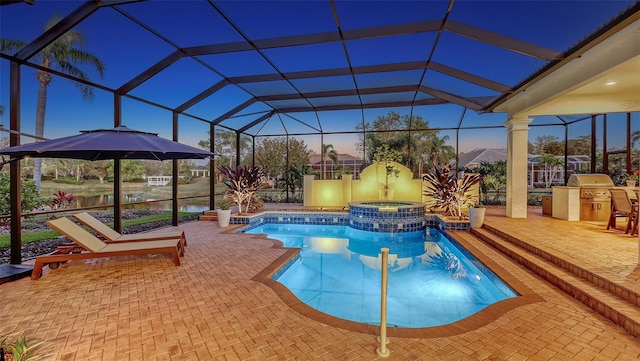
(209,308)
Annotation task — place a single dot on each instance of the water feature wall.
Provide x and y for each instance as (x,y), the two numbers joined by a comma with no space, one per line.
(373,185)
(387,216)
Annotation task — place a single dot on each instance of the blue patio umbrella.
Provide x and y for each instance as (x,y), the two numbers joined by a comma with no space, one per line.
(103,144)
(106,144)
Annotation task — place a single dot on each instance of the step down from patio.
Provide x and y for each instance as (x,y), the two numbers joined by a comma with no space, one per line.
(12,272)
(618,304)
(209,216)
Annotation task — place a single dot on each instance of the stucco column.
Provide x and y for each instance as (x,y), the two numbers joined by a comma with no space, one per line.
(517,141)
(307,190)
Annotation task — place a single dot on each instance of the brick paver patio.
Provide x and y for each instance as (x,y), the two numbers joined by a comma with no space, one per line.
(209,308)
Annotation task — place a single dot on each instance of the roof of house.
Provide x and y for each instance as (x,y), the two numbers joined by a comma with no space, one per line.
(343,159)
(492,155)
(535,158)
(479,155)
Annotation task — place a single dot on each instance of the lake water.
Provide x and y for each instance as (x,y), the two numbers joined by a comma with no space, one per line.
(185,205)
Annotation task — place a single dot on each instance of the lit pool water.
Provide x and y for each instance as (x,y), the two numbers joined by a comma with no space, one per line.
(431,282)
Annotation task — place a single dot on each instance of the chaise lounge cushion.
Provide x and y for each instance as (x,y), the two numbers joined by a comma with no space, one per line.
(96,248)
(111,235)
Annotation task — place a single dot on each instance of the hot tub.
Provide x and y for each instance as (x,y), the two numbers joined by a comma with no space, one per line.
(387,216)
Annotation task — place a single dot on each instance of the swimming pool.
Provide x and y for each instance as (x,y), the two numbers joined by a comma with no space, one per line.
(431,281)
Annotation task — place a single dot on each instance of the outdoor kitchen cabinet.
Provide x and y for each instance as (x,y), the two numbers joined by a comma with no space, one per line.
(547,205)
(585,198)
(566,203)
(595,209)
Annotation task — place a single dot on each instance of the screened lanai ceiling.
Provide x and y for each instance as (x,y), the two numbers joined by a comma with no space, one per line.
(308,67)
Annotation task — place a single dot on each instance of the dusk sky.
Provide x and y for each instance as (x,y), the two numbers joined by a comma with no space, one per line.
(127,49)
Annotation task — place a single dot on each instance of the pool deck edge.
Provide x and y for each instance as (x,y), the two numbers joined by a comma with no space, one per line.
(480,319)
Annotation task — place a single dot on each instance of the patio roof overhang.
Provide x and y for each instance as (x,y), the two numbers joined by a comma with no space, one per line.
(602,76)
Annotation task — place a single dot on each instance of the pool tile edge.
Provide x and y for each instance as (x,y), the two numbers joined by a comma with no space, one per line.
(484,317)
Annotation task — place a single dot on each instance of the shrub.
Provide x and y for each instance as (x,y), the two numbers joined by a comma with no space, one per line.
(20,349)
(243,182)
(30,197)
(29,224)
(61,200)
(68,180)
(447,191)
(223,204)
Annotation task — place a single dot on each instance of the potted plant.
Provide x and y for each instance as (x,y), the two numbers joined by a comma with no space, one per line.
(243,182)
(447,191)
(224,213)
(476,215)
(18,350)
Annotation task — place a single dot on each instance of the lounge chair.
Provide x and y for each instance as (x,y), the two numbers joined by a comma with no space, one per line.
(111,235)
(93,247)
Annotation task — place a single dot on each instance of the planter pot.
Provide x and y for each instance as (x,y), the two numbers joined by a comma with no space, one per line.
(476,217)
(631,183)
(224,216)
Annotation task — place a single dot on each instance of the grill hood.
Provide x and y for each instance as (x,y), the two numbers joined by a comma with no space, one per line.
(590,180)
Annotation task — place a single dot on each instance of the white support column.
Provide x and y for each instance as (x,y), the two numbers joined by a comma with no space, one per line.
(517,141)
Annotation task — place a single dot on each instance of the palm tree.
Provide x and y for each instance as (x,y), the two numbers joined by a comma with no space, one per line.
(328,151)
(635,136)
(551,166)
(62,55)
(493,177)
(226,144)
(435,151)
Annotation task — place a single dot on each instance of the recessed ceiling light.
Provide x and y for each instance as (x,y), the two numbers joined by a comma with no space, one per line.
(609,83)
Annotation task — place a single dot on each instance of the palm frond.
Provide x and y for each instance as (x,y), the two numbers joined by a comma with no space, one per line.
(11,45)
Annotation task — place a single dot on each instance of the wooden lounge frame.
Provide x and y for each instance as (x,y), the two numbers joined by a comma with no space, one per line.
(96,248)
(111,235)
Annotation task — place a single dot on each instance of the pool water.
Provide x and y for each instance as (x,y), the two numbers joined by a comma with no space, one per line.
(430,281)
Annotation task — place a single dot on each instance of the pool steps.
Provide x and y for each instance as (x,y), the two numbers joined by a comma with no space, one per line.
(209,216)
(614,301)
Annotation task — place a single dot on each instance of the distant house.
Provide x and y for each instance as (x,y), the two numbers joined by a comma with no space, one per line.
(158,180)
(473,158)
(344,161)
(575,163)
(200,171)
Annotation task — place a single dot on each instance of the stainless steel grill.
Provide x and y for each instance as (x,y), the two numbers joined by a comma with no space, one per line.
(595,199)
(591,185)
(594,179)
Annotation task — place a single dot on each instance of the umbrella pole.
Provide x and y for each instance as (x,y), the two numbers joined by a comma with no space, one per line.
(16,213)
(174,193)
(117,196)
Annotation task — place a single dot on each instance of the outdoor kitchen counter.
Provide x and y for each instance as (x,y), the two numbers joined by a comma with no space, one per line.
(566,203)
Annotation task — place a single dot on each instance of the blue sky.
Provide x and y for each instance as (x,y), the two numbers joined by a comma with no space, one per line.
(113,38)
